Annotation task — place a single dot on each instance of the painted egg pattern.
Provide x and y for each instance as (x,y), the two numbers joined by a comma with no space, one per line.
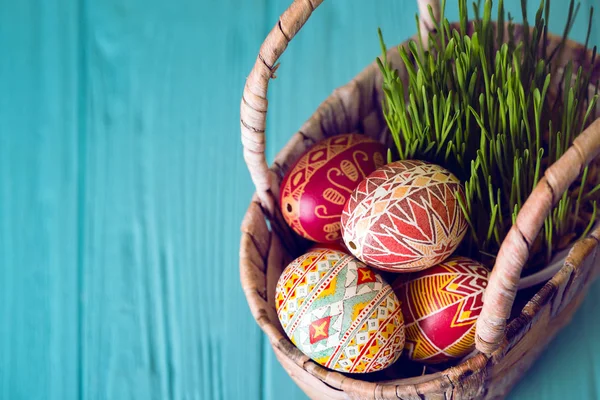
(440,306)
(404,217)
(339,312)
(314,191)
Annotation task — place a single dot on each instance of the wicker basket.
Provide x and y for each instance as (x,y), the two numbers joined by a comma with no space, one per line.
(505,351)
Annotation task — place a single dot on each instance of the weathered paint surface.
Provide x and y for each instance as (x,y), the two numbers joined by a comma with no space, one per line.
(122,187)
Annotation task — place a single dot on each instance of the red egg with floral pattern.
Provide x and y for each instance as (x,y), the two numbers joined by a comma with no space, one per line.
(314,191)
(404,217)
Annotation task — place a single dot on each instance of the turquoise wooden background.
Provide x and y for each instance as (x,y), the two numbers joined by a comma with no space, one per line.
(122,188)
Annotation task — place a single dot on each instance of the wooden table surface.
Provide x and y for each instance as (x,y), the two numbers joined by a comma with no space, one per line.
(122,188)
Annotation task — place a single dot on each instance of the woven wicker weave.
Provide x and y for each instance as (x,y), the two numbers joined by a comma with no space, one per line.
(268,245)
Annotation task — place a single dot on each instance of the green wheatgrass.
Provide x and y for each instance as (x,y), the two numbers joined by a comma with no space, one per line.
(481,106)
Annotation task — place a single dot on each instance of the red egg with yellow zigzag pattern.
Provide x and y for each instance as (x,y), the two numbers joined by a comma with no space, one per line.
(339,312)
(440,307)
(404,217)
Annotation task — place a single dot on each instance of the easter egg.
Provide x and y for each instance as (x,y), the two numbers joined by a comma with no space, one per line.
(404,217)
(339,312)
(440,307)
(313,192)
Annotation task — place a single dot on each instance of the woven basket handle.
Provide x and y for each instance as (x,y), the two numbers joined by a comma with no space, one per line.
(254,100)
(514,252)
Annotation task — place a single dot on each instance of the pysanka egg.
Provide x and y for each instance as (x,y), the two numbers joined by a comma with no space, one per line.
(339,312)
(316,187)
(440,307)
(404,217)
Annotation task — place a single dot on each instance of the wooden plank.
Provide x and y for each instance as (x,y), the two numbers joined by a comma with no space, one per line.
(165,317)
(39,200)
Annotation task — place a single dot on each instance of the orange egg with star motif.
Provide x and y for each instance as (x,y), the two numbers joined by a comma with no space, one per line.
(317,185)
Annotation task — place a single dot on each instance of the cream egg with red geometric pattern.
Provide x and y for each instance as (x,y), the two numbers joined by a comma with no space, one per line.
(404,217)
